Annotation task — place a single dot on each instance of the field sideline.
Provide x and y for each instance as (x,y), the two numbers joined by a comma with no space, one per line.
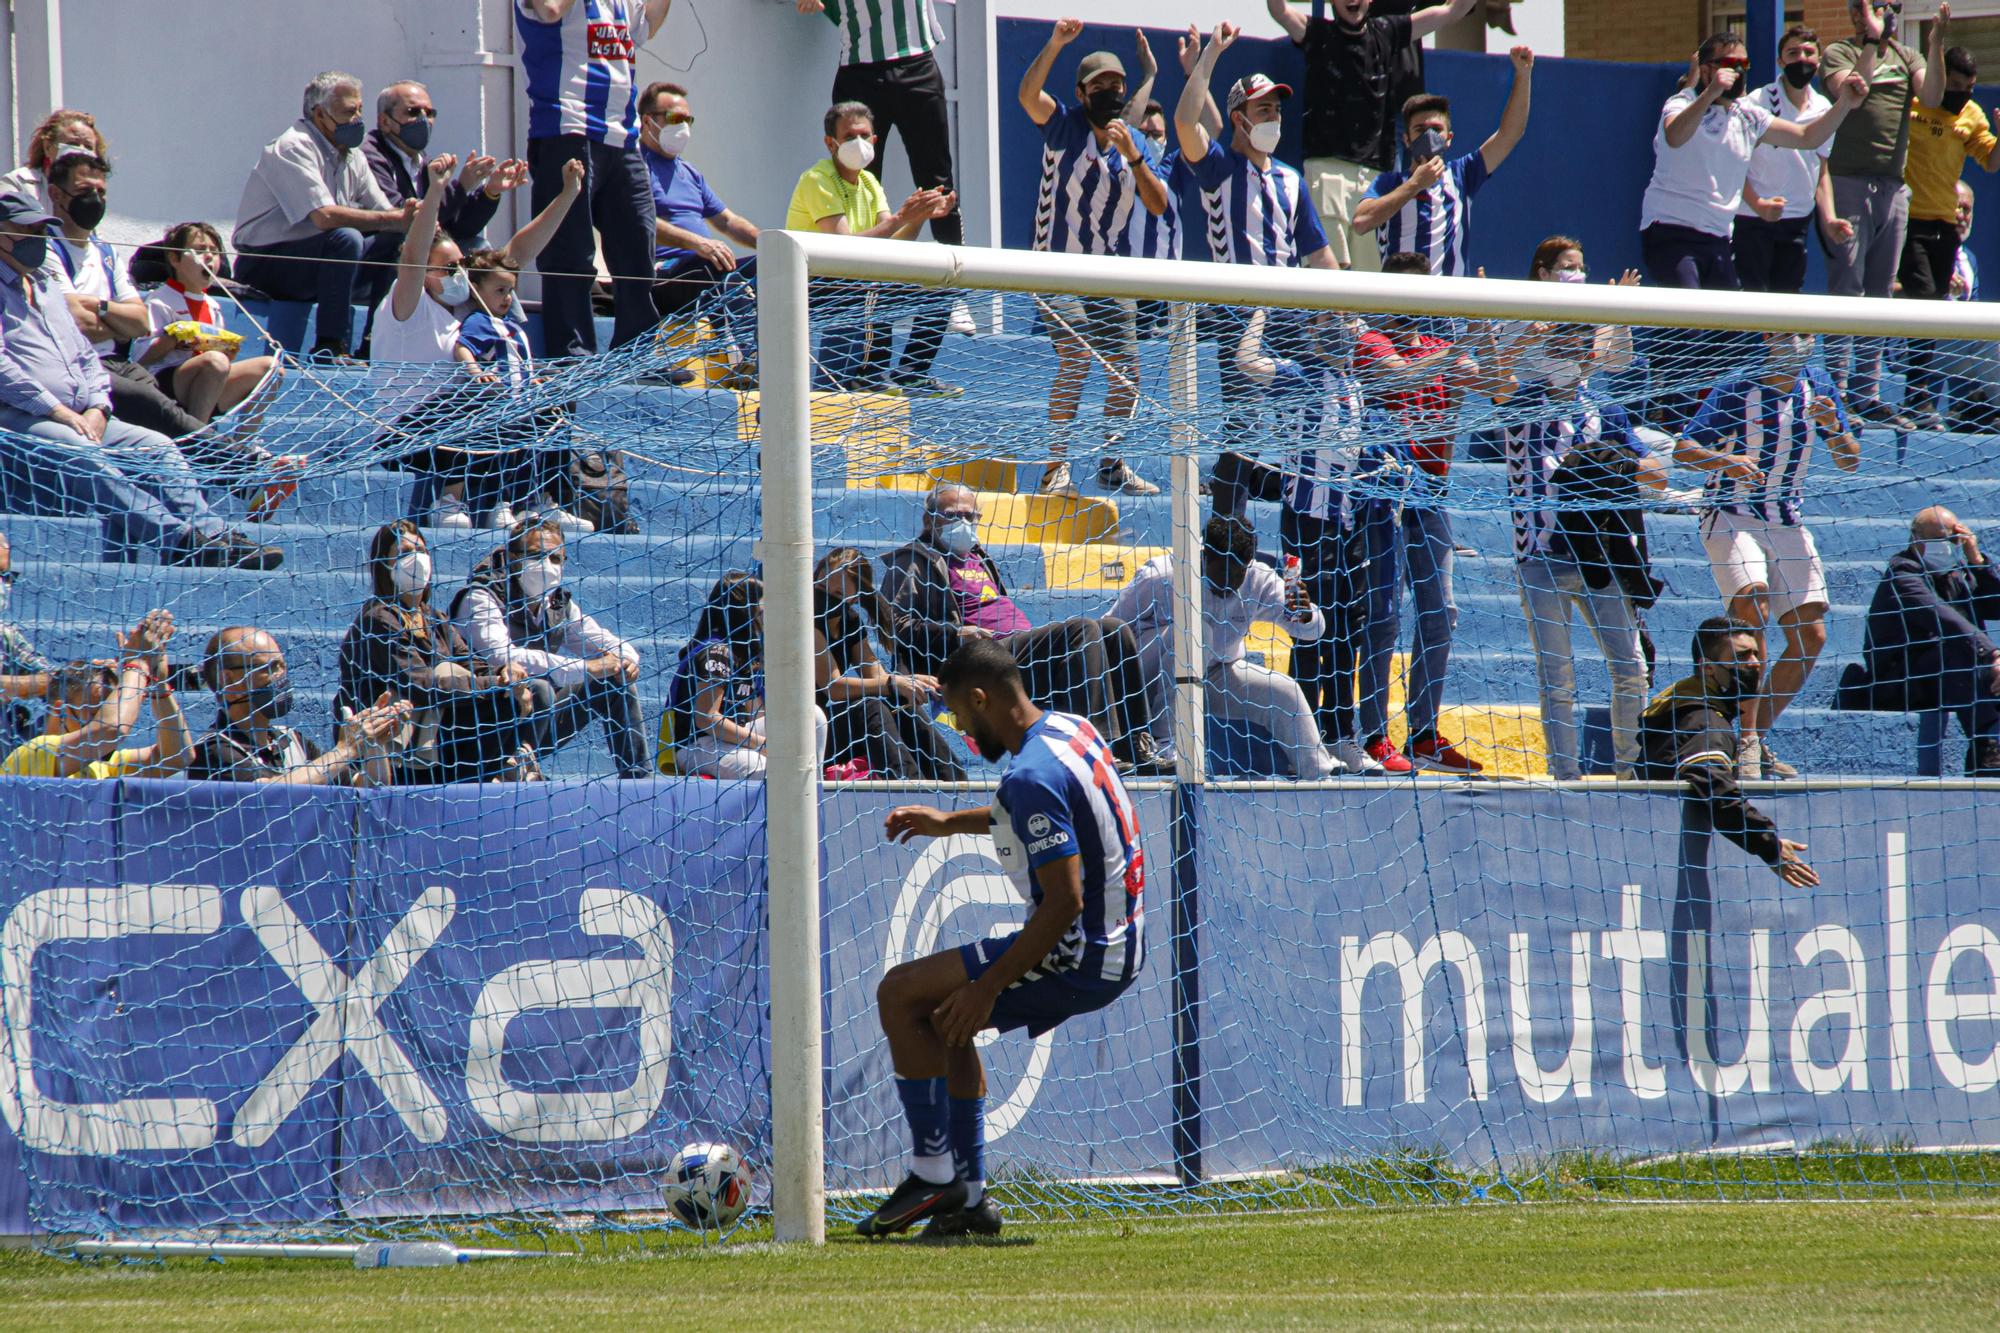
(1710,1265)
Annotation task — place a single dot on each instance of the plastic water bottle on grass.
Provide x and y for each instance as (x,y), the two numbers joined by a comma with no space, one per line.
(408,1254)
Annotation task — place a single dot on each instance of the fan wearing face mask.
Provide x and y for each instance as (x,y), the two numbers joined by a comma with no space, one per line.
(1786,187)
(406,122)
(245,667)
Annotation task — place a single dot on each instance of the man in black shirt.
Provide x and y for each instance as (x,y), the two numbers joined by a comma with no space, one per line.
(1688,734)
(1358,70)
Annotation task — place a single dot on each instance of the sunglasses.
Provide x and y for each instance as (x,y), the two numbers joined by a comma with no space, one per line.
(411,113)
(1733,62)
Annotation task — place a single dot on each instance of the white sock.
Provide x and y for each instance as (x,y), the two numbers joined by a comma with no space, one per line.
(934,1170)
(975,1190)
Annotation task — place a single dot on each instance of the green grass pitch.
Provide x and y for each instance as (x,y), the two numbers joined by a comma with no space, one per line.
(1685,1265)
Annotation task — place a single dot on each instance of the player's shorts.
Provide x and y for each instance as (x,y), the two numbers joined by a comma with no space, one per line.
(1040,1000)
(1110,324)
(1746,551)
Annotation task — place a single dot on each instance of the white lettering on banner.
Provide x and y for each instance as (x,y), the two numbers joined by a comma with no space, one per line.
(1754,1068)
(913,936)
(1391,950)
(1573,1074)
(645,984)
(1633,948)
(1896,916)
(346,1015)
(1943,1006)
(1849,1002)
(94,1129)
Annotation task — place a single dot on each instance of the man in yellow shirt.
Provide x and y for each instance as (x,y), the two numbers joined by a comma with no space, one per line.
(1946,127)
(840,196)
(93,706)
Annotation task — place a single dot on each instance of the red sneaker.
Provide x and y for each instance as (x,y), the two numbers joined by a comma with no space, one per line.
(1436,755)
(1385,754)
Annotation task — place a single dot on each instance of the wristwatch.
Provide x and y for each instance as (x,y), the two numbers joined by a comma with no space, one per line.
(103,308)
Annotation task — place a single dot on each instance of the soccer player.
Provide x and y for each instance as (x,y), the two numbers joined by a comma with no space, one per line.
(1754,437)
(1068,836)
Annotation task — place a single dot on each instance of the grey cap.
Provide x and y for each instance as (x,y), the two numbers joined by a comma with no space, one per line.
(1096,63)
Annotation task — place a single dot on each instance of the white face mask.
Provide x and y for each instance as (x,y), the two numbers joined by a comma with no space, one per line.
(455,288)
(674,138)
(1940,555)
(1564,374)
(1264,137)
(1571,275)
(539,578)
(411,573)
(959,536)
(856,154)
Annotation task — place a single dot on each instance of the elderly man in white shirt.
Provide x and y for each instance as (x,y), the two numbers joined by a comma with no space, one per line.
(313,224)
(1237,591)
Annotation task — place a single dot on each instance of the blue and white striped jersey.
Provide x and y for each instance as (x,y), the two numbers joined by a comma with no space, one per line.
(1534,453)
(1061,797)
(1159,237)
(1437,223)
(582,72)
(1321,412)
(1255,217)
(1088,192)
(1773,426)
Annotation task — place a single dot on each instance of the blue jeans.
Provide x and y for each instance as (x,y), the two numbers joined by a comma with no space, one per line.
(1550,589)
(576,706)
(1353,577)
(1427,554)
(361,270)
(135,480)
(729,297)
(856,330)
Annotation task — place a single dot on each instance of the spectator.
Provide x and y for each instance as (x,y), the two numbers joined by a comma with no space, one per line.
(1786,187)
(1426,207)
(1255,211)
(943,588)
(1689,732)
(422,322)
(1515,348)
(246,669)
(24,673)
(1948,128)
(1559,416)
(53,388)
(60,129)
(1237,591)
(313,224)
(1754,436)
(840,196)
(405,118)
(714,724)
(1927,645)
(1094,176)
(93,706)
(1345,542)
(470,722)
(874,717)
(1353,63)
(1974,367)
(692,265)
(515,612)
(888,61)
(1866,164)
(580,59)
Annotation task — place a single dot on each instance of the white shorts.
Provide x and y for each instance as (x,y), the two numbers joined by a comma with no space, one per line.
(1747,551)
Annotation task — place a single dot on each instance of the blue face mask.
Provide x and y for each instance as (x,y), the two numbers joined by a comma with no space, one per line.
(959,535)
(349,135)
(30,251)
(1940,555)
(416,135)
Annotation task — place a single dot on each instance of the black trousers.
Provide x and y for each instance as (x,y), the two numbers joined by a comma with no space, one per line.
(1963,683)
(1085,666)
(1771,256)
(896,740)
(617,202)
(1239,478)
(1930,253)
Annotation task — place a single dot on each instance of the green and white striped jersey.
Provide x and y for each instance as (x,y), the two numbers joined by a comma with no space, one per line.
(874,30)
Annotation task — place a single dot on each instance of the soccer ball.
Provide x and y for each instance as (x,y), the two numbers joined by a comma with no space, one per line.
(707,1186)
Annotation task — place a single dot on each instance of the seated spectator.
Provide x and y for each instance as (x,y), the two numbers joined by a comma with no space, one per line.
(872,716)
(245,668)
(714,724)
(1927,645)
(515,612)
(840,196)
(694,266)
(1237,591)
(405,119)
(1426,207)
(53,388)
(313,225)
(61,129)
(943,589)
(471,722)
(421,321)
(93,706)
(1971,369)
(24,673)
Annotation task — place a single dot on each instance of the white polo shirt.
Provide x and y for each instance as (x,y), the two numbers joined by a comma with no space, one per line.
(1788,173)
(89,269)
(1700,184)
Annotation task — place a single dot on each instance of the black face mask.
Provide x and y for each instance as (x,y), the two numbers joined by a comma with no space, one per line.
(416,135)
(1741,683)
(1800,73)
(1104,106)
(86,209)
(30,251)
(271,701)
(1955,102)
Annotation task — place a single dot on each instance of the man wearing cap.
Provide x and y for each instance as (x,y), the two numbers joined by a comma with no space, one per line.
(1352,89)
(53,388)
(1093,174)
(1254,210)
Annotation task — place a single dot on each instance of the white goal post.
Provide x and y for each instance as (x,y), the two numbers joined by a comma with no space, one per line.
(787,261)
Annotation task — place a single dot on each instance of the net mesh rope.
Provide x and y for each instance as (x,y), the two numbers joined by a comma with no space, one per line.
(1382,974)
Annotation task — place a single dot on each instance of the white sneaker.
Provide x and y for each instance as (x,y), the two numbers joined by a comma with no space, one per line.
(1749,758)
(500,516)
(450,512)
(571,525)
(1055,481)
(961,320)
(1357,761)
